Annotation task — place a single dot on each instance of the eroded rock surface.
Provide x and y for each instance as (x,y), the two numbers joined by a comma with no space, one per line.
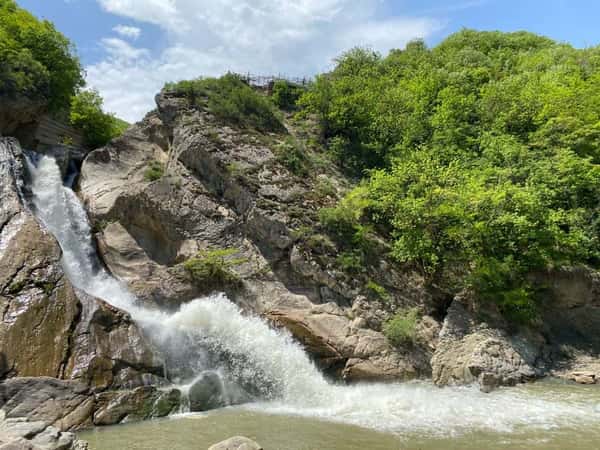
(38,412)
(229,190)
(469,350)
(43,412)
(48,328)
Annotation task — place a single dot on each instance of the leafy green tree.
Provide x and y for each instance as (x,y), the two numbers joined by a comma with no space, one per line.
(36,60)
(97,126)
(286,94)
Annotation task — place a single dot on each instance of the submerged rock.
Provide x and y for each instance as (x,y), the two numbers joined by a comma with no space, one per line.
(140,404)
(207,393)
(236,443)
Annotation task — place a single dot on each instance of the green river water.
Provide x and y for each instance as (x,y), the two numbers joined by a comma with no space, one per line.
(572,421)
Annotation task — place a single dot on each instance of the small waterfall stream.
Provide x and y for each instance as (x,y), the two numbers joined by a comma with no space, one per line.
(284,378)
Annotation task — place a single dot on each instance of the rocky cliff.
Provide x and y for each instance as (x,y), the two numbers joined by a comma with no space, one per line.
(231,192)
(234,190)
(50,329)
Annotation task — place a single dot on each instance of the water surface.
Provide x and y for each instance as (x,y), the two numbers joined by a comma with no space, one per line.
(571,421)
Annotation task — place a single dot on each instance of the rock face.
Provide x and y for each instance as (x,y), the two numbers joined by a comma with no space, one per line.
(470,351)
(43,411)
(48,328)
(236,443)
(229,190)
(17,111)
(37,412)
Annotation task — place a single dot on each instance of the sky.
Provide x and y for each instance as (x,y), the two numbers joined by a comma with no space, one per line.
(130,48)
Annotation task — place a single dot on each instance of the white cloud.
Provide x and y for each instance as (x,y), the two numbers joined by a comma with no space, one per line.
(210,37)
(120,51)
(128,31)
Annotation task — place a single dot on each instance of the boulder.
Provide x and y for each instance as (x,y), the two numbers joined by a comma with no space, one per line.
(206,393)
(142,403)
(37,412)
(471,351)
(355,353)
(236,443)
(583,377)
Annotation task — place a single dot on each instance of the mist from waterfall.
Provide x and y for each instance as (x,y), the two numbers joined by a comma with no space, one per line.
(287,381)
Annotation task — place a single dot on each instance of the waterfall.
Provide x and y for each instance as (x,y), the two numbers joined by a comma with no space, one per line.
(287,382)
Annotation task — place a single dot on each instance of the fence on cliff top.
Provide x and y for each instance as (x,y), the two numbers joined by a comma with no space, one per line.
(266,80)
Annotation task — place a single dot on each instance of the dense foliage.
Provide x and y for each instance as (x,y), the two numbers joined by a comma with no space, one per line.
(230,100)
(285,94)
(480,157)
(35,59)
(97,126)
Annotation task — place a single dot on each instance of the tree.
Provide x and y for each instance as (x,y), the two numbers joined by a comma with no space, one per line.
(36,60)
(87,115)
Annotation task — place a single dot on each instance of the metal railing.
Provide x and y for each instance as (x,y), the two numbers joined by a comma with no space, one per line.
(266,80)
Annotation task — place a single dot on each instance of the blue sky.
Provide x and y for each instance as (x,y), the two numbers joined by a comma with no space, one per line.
(131,47)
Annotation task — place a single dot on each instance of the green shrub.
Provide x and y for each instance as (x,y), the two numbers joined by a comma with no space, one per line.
(402,328)
(155,171)
(351,261)
(230,100)
(377,291)
(345,220)
(292,155)
(286,94)
(212,268)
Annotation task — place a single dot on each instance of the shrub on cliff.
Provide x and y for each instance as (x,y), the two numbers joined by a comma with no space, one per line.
(230,100)
(35,59)
(401,329)
(212,268)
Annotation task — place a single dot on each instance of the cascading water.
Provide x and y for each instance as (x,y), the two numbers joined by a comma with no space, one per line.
(270,360)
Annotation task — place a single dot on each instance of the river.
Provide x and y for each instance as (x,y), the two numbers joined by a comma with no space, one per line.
(558,428)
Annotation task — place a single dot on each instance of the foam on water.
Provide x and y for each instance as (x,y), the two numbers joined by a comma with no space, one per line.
(272,358)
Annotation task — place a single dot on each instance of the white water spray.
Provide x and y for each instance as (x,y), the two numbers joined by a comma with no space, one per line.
(269,357)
